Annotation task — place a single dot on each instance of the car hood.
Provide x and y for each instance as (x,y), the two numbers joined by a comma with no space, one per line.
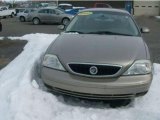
(99,49)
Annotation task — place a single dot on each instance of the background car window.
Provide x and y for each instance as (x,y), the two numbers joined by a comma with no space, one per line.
(26,11)
(59,11)
(32,10)
(46,11)
(52,11)
(4,8)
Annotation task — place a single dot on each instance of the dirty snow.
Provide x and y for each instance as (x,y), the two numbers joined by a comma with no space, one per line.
(21,98)
(158,17)
(1,38)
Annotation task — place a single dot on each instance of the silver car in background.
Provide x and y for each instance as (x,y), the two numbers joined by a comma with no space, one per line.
(50,15)
(100,55)
(23,16)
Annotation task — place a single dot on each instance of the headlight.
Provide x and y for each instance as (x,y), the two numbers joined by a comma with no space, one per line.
(140,67)
(52,61)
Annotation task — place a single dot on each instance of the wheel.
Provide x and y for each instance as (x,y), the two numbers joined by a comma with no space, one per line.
(12,15)
(22,19)
(65,21)
(36,21)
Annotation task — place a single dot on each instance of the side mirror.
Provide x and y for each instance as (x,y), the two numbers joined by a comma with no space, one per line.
(145,30)
(61,27)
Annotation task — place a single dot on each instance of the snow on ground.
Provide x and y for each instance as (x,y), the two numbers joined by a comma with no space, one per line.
(1,38)
(20,98)
(158,17)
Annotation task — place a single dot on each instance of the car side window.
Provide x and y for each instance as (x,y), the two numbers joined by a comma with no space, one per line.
(61,7)
(45,11)
(32,10)
(4,8)
(26,11)
(59,11)
(52,11)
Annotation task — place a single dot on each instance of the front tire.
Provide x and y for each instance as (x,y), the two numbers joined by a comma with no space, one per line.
(22,19)
(36,21)
(65,21)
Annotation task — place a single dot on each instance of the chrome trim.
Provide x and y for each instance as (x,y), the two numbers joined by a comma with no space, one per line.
(93,72)
(96,76)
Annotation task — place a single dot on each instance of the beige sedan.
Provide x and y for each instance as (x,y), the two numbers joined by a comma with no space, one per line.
(100,55)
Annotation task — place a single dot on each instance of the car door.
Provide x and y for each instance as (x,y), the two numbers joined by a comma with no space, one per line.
(55,16)
(60,15)
(44,15)
(25,13)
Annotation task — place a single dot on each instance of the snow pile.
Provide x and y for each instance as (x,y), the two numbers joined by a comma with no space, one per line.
(1,38)
(20,98)
(158,17)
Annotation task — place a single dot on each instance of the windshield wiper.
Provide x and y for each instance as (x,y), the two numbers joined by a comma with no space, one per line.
(79,32)
(108,33)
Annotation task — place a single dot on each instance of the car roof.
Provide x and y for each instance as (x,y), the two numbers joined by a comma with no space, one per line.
(106,9)
(66,4)
(53,7)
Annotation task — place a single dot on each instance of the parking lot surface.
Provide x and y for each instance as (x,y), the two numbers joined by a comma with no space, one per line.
(13,27)
(153,38)
(9,50)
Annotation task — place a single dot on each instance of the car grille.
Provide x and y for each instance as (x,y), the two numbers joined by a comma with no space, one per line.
(98,70)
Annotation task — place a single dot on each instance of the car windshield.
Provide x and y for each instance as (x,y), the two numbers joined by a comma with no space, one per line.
(106,22)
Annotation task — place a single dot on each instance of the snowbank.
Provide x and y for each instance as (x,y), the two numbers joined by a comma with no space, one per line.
(1,38)
(20,98)
(158,17)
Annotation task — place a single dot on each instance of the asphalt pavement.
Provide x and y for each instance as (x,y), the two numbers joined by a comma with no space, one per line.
(13,27)
(153,38)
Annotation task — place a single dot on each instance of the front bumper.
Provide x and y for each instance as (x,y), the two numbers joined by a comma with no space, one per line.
(96,88)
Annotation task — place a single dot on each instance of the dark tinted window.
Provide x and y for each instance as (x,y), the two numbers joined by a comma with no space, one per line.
(4,8)
(26,11)
(60,11)
(44,11)
(103,5)
(51,11)
(32,10)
